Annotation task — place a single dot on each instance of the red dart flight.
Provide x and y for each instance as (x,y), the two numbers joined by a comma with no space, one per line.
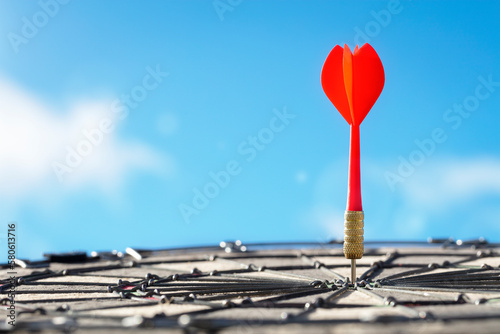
(353,82)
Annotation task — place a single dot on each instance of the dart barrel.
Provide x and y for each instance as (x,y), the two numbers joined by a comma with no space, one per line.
(353,234)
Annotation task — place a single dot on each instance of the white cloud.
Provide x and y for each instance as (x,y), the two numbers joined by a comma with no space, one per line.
(451,197)
(442,185)
(444,197)
(33,136)
(329,219)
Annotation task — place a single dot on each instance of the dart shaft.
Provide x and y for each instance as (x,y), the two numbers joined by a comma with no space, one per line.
(354,216)
(354,182)
(353,238)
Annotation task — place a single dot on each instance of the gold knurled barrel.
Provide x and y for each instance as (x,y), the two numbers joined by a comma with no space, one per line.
(353,234)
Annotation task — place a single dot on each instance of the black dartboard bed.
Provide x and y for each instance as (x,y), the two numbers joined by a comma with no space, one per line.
(429,287)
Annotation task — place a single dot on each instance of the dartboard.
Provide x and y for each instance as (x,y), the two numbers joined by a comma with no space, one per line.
(440,286)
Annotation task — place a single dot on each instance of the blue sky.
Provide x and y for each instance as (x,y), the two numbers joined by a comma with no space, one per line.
(171,93)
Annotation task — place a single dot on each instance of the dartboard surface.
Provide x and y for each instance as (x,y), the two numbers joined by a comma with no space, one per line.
(429,287)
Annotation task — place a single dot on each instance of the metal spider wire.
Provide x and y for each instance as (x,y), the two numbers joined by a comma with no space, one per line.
(293,284)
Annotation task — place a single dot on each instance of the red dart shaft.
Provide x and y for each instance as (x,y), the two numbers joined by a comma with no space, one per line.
(354,182)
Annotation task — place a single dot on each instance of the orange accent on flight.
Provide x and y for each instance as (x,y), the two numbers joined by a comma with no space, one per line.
(347,71)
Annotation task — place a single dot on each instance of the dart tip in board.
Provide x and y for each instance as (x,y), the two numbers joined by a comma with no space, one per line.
(353,271)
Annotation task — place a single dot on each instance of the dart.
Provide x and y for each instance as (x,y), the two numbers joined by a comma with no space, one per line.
(353,81)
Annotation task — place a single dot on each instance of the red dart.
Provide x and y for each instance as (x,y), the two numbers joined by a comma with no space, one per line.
(353,82)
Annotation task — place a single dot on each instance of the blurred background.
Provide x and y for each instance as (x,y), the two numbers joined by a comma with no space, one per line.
(177,123)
